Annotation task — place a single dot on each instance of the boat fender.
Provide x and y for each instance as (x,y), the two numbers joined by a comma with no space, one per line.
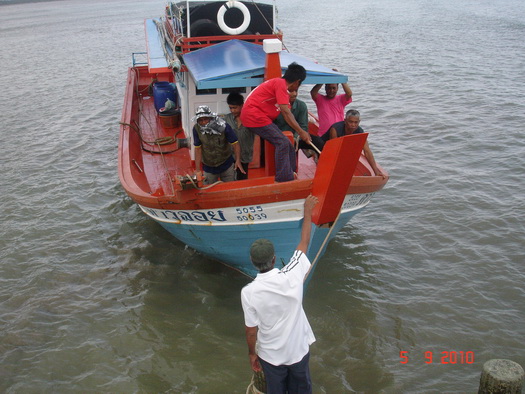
(245,12)
(175,65)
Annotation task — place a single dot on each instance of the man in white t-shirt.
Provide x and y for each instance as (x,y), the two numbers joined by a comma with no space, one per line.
(274,315)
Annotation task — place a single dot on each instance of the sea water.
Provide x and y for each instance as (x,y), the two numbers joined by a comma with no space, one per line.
(414,295)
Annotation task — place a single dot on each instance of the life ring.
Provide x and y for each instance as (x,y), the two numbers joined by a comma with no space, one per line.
(245,12)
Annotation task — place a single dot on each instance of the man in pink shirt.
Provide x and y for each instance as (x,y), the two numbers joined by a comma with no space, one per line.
(330,107)
(263,105)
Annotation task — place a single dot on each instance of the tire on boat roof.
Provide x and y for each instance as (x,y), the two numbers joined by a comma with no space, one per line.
(205,27)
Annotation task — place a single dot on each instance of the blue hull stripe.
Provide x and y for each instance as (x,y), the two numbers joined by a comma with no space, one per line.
(231,244)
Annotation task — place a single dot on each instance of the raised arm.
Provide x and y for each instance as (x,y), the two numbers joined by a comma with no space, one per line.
(346,88)
(306,229)
(348,91)
(315,91)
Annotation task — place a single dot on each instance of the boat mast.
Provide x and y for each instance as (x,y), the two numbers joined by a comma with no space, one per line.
(188,33)
(274,20)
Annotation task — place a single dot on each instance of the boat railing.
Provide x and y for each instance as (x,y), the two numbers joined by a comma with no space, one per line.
(188,44)
(139,58)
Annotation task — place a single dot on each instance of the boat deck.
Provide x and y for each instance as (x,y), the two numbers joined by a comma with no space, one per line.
(162,160)
(155,166)
(166,161)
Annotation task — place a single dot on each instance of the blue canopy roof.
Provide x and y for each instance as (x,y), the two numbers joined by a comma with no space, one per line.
(237,63)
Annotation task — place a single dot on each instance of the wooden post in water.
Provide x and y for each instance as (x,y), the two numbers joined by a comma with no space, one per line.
(501,377)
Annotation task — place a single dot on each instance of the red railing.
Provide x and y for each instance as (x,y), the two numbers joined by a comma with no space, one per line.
(188,44)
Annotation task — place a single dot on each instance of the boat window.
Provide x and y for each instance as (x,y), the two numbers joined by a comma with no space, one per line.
(230,90)
(201,92)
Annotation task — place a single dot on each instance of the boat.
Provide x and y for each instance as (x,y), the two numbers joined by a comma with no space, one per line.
(197,53)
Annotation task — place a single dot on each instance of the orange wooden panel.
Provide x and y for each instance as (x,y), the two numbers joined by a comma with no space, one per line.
(335,169)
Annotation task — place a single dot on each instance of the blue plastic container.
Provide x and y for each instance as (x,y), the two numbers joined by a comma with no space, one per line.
(161,92)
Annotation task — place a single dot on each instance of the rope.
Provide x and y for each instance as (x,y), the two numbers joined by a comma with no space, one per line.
(267,22)
(201,188)
(161,28)
(257,384)
(159,141)
(176,25)
(251,389)
(168,46)
(325,241)
(168,173)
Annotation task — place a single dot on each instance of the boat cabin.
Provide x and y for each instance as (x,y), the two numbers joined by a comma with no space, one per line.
(206,68)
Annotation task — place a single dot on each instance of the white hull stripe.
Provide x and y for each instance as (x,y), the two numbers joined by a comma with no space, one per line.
(286,211)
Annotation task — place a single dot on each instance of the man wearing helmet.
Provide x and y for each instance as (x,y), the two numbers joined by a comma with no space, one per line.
(213,139)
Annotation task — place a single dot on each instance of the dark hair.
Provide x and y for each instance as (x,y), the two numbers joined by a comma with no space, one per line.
(235,98)
(295,72)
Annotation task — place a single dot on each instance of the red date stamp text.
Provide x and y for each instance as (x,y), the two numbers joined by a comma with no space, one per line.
(446,357)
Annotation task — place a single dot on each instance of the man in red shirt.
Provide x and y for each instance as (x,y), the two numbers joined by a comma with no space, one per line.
(263,105)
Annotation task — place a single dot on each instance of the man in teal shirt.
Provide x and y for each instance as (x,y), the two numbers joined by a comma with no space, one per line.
(300,112)
(235,102)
